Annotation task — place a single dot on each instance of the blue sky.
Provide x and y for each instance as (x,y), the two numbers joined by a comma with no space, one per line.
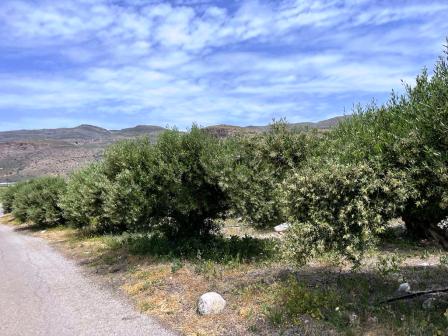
(121,63)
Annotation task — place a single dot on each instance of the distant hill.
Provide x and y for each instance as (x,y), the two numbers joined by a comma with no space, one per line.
(82,133)
(139,130)
(223,131)
(30,153)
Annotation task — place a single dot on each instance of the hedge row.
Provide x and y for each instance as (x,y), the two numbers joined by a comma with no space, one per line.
(181,185)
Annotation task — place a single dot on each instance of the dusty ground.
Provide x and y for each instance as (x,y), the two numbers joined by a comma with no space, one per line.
(267,296)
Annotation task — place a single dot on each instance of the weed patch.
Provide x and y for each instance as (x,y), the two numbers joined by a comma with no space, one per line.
(233,250)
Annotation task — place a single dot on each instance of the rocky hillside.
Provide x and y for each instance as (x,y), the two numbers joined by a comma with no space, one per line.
(31,153)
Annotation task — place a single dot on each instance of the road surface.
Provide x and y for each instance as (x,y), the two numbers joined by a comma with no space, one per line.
(44,294)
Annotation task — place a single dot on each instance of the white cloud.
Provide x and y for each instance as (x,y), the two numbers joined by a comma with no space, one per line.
(193,61)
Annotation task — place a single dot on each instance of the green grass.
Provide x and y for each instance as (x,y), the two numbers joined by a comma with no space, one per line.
(214,248)
(350,303)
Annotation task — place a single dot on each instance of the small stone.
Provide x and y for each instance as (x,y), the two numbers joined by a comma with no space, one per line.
(211,303)
(428,304)
(404,288)
(282,227)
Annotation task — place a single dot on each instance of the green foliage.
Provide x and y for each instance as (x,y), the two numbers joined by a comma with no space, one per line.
(172,187)
(388,265)
(117,194)
(37,201)
(256,168)
(176,265)
(189,194)
(384,162)
(408,134)
(7,196)
(133,196)
(338,207)
(83,202)
(215,248)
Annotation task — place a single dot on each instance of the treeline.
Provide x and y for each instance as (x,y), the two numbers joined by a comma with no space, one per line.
(338,189)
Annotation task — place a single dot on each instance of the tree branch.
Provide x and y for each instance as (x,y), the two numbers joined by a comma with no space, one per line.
(414,295)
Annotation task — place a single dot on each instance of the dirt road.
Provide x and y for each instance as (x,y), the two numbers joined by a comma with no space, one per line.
(43,293)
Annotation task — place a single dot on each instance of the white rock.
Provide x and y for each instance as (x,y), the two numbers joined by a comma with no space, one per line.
(282,227)
(428,304)
(404,288)
(211,303)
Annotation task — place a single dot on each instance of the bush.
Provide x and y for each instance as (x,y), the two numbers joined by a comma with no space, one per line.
(256,168)
(190,196)
(342,208)
(132,199)
(83,201)
(172,187)
(7,196)
(37,201)
(408,134)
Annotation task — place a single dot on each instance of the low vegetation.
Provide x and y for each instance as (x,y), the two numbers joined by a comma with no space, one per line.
(339,190)
(36,201)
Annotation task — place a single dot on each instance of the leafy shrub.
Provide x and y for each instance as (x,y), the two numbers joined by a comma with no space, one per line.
(388,161)
(424,153)
(83,201)
(37,201)
(337,207)
(189,193)
(133,197)
(172,186)
(256,168)
(7,196)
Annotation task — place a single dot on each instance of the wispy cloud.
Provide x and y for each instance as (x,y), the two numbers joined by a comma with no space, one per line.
(119,63)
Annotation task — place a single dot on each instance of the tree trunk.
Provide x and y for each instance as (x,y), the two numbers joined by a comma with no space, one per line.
(439,235)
